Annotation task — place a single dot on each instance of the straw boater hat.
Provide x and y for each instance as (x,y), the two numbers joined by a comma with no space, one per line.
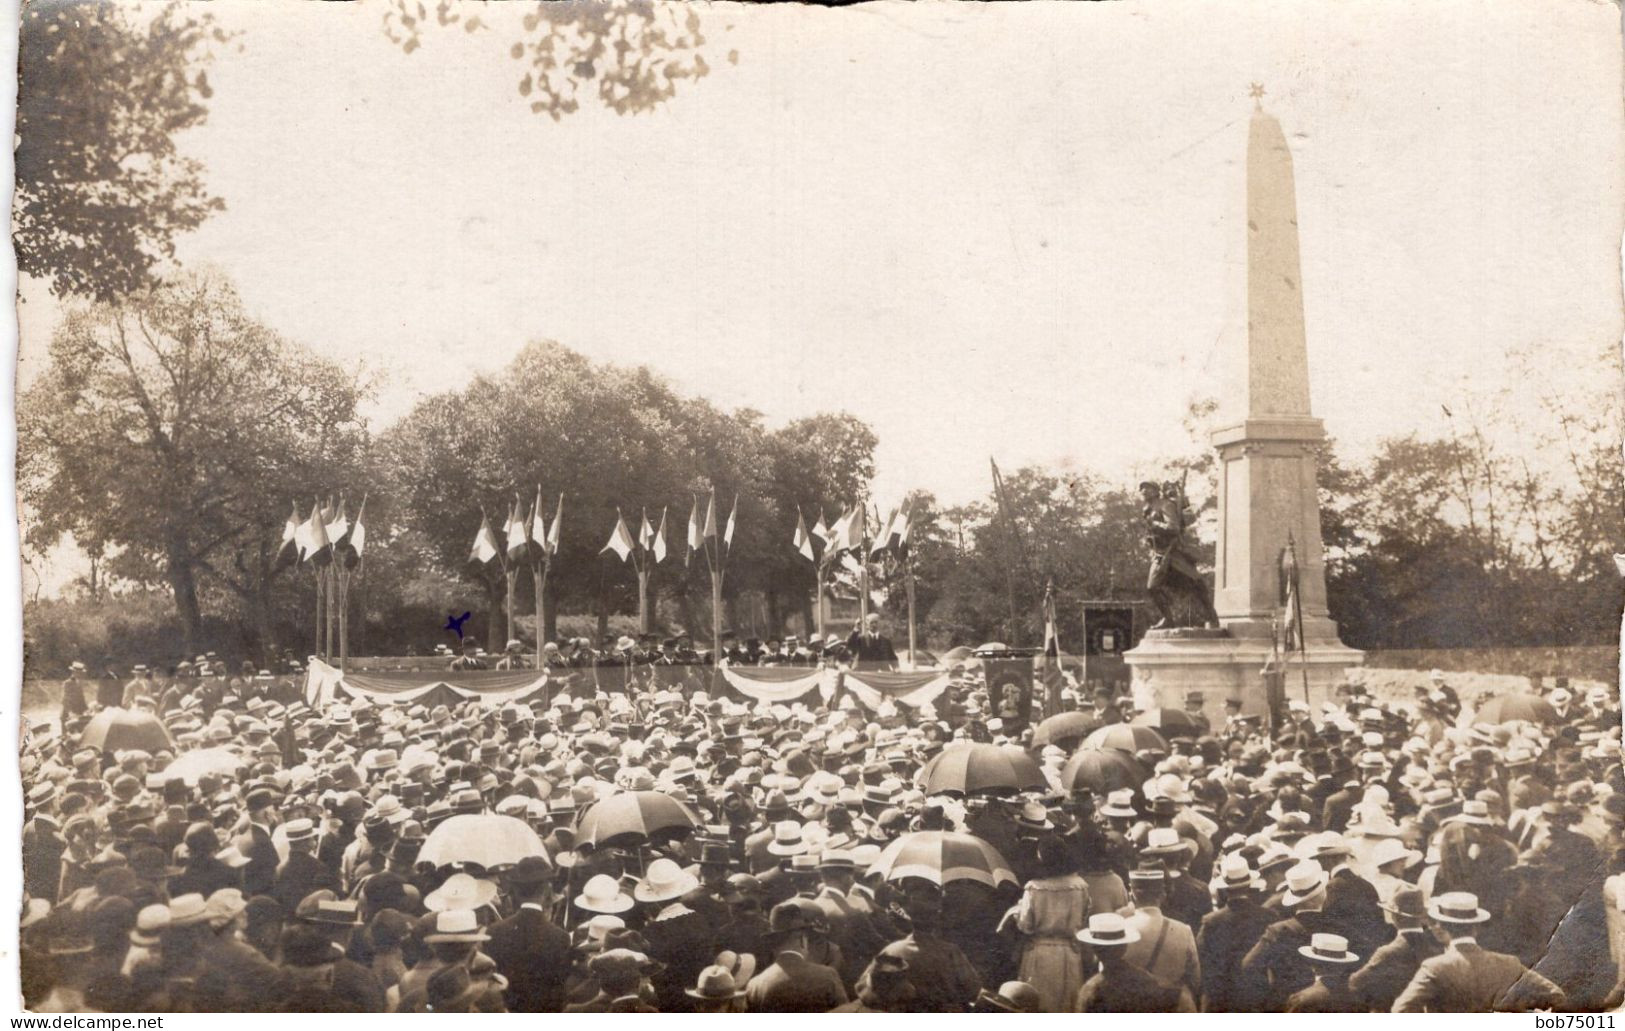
(456,925)
(1457,907)
(1332,949)
(1235,875)
(1108,929)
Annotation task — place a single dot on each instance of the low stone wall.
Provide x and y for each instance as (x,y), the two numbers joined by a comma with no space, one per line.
(1600,662)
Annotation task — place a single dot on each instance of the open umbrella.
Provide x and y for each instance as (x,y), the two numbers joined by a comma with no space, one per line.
(1168,723)
(1064,730)
(1509,708)
(633,814)
(960,653)
(486,839)
(117,730)
(993,646)
(941,857)
(919,658)
(1126,737)
(968,768)
(1102,770)
(192,765)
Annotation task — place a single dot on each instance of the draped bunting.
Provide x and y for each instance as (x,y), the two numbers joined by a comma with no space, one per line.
(774,684)
(910,689)
(325,684)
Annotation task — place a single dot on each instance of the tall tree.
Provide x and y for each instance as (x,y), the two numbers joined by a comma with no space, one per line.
(173,430)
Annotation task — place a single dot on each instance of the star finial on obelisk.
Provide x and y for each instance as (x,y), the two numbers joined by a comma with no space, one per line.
(1256,91)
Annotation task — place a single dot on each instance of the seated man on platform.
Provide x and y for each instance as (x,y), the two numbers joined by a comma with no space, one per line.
(470,658)
(513,656)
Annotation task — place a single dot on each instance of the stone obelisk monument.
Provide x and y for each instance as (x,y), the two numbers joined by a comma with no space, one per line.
(1268,500)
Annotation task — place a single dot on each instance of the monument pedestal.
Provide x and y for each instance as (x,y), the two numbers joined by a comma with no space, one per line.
(1169,664)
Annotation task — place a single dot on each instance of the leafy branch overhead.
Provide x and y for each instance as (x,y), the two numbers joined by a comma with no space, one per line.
(635,51)
(101,190)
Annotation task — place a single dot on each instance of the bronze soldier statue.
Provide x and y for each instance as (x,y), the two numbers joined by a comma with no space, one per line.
(1175,584)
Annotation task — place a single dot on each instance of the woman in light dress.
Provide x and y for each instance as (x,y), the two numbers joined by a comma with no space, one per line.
(1054,907)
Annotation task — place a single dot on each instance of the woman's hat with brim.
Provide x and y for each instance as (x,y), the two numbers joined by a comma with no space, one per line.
(603,894)
(461,891)
(664,882)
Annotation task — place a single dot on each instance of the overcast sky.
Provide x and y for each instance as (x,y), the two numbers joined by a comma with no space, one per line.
(987,229)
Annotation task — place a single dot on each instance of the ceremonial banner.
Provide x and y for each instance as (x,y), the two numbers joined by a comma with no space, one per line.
(774,685)
(910,689)
(325,684)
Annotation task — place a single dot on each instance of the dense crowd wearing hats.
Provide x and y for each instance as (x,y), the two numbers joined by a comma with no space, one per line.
(681,851)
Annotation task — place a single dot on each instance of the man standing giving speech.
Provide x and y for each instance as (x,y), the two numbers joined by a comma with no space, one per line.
(870,649)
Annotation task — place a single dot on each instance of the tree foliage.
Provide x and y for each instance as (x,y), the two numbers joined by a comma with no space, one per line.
(631,53)
(102,192)
(174,431)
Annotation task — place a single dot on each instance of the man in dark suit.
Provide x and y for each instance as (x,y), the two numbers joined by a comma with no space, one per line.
(1228,934)
(1391,967)
(302,873)
(530,950)
(259,876)
(869,648)
(1468,978)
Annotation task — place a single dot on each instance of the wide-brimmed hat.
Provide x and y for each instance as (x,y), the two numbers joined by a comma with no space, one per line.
(788,839)
(324,907)
(1012,997)
(456,925)
(461,891)
(1389,850)
(1165,841)
(1328,948)
(1108,929)
(1407,902)
(1034,817)
(1457,907)
(1119,803)
(1303,882)
(603,894)
(1235,875)
(664,881)
(149,925)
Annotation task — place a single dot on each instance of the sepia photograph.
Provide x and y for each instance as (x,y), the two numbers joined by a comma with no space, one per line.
(641,506)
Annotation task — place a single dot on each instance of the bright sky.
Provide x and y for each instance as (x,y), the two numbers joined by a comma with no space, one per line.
(1006,229)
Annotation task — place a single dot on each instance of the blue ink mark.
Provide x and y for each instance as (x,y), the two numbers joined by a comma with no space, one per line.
(455,624)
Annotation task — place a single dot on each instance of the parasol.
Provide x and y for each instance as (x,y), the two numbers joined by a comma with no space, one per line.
(941,857)
(1168,723)
(640,814)
(117,730)
(204,761)
(1102,770)
(1126,737)
(1509,708)
(488,840)
(1063,730)
(968,768)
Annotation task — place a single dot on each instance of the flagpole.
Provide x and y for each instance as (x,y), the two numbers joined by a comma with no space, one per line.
(863,566)
(908,587)
(818,596)
(538,574)
(317,648)
(508,576)
(1297,615)
(344,613)
(332,592)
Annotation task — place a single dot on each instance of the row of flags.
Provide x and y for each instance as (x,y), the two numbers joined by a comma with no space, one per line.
(324,537)
(526,535)
(651,540)
(846,534)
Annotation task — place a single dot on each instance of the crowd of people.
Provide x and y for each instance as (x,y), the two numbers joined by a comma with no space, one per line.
(1359,855)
